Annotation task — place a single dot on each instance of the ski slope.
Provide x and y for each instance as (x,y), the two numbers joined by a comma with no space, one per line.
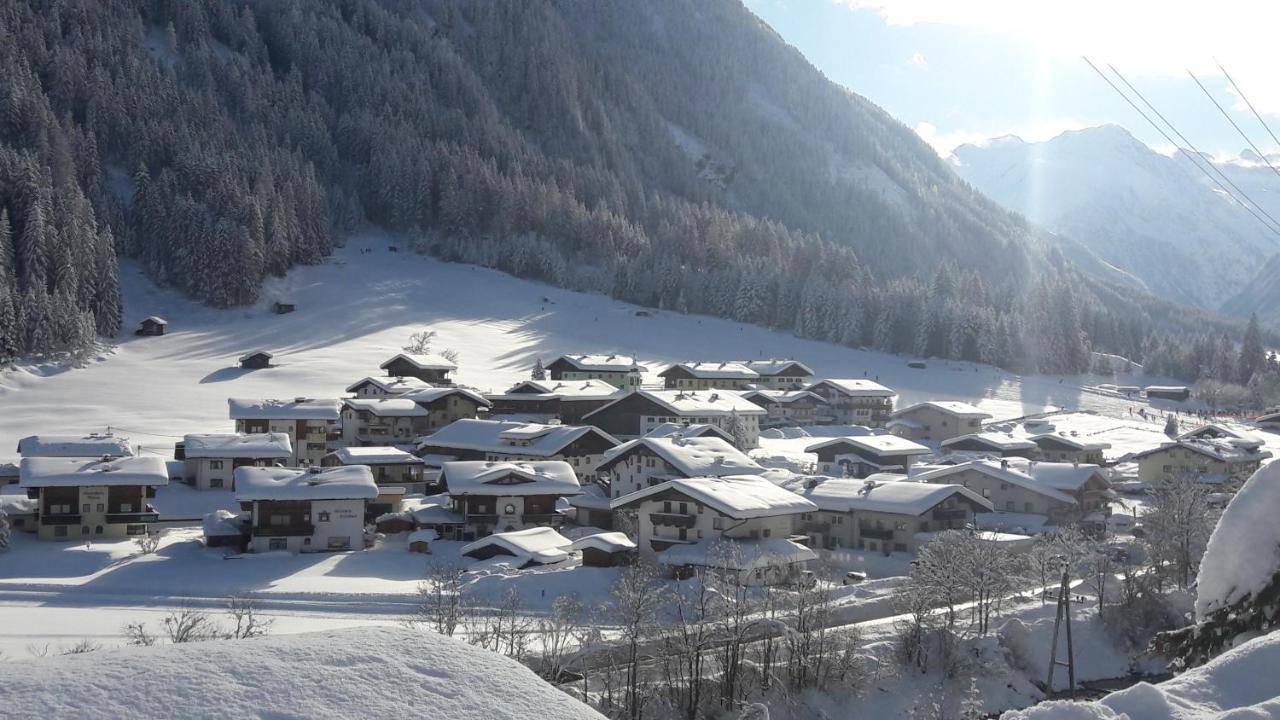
(358,309)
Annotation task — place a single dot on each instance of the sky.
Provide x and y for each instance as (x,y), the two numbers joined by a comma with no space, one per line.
(961,71)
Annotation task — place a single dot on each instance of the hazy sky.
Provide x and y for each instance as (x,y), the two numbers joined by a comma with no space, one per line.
(964,70)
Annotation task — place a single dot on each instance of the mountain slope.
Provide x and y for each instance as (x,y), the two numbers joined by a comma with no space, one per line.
(1153,216)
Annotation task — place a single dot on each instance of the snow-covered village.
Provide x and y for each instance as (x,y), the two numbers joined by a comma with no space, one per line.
(639,360)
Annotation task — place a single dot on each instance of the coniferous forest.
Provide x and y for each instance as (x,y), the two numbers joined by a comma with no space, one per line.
(672,153)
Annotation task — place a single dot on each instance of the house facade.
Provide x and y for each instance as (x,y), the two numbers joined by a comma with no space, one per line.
(862,455)
(884,513)
(209,461)
(384,421)
(780,374)
(650,461)
(494,497)
(789,408)
(312,424)
(583,447)
(305,509)
(564,400)
(1220,461)
(643,411)
(390,466)
(432,369)
(1065,448)
(1063,493)
(376,387)
(999,445)
(937,420)
(621,371)
(738,526)
(92,498)
(855,401)
(708,376)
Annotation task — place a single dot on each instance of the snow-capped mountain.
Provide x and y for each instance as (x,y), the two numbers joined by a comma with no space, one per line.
(1152,216)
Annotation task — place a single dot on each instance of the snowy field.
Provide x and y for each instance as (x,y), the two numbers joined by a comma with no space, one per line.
(358,309)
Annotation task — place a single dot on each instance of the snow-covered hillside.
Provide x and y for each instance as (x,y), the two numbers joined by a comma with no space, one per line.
(356,310)
(356,672)
(1152,216)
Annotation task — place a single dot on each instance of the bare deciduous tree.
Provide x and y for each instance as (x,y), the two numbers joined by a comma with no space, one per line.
(148,543)
(136,633)
(243,609)
(84,646)
(187,624)
(440,599)
(1178,524)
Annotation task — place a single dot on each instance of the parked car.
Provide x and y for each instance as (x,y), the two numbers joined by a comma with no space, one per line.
(854,577)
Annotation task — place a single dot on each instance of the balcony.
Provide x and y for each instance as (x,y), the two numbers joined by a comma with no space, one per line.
(680,520)
(873,534)
(59,519)
(140,517)
(482,519)
(284,530)
(949,515)
(541,518)
(815,527)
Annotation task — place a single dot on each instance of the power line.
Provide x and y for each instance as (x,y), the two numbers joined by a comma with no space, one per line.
(1195,149)
(1216,104)
(1243,97)
(1170,140)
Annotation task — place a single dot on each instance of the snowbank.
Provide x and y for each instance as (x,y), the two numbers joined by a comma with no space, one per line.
(356,672)
(1244,550)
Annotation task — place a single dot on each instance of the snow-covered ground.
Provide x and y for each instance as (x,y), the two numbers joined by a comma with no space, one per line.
(357,309)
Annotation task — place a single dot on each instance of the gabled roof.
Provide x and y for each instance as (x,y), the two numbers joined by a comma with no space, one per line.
(391,385)
(884,494)
(691,456)
(609,542)
(715,403)
(426,396)
(1069,441)
(398,406)
(741,497)
(691,430)
(1224,449)
(1005,472)
(155,319)
(539,477)
(995,441)
(296,409)
(237,445)
(879,445)
(374,455)
(422,362)
(855,387)
(778,367)
(713,370)
(951,407)
(37,472)
(350,482)
(602,363)
(91,445)
(508,437)
(559,389)
(783,396)
(255,353)
(540,544)
(1217,430)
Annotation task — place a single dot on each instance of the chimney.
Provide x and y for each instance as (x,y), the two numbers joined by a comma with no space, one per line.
(1004,463)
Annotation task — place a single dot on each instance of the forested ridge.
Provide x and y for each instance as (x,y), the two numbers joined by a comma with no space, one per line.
(673,153)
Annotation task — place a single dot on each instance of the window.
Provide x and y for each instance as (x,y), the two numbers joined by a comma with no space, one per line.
(215,482)
(324,516)
(215,464)
(277,544)
(85,507)
(899,547)
(102,507)
(97,530)
(767,532)
(339,543)
(84,529)
(717,523)
(135,530)
(666,506)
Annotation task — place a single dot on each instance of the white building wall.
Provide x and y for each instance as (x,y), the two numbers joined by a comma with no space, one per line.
(340,521)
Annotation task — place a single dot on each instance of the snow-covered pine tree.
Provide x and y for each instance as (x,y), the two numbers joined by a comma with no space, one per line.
(4,531)
(539,372)
(738,431)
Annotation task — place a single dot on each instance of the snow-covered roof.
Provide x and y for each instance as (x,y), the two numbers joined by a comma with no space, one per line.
(592,497)
(855,387)
(609,542)
(223,523)
(422,362)
(734,554)
(951,407)
(237,445)
(899,495)
(387,406)
(714,370)
(17,504)
(881,445)
(561,389)
(300,408)
(426,535)
(541,545)
(391,385)
(603,363)
(373,672)
(1224,449)
(375,455)
(714,403)
(253,354)
(349,482)
(481,477)
(35,472)
(689,431)
(426,396)
(783,396)
(740,497)
(510,437)
(691,456)
(91,445)
(1009,472)
(995,441)
(1069,441)
(1244,550)
(1218,430)
(432,510)
(776,367)
(155,319)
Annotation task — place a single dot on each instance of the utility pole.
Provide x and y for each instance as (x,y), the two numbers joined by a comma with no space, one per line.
(1063,616)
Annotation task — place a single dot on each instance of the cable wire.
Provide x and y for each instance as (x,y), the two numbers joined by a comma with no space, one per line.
(1216,104)
(1245,98)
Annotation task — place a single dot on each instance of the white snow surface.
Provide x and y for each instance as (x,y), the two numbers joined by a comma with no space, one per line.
(348,482)
(35,472)
(605,541)
(299,408)
(540,544)
(421,361)
(693,456)
(538,477)
(387,406)
(374,672)
(498,435)
(902,497)
(94,445)
(374,455)
(876,444)
(232,445)
(1240,684)
(1244,550)
(954,407)
(734,554)
(740,497)
(858,387)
